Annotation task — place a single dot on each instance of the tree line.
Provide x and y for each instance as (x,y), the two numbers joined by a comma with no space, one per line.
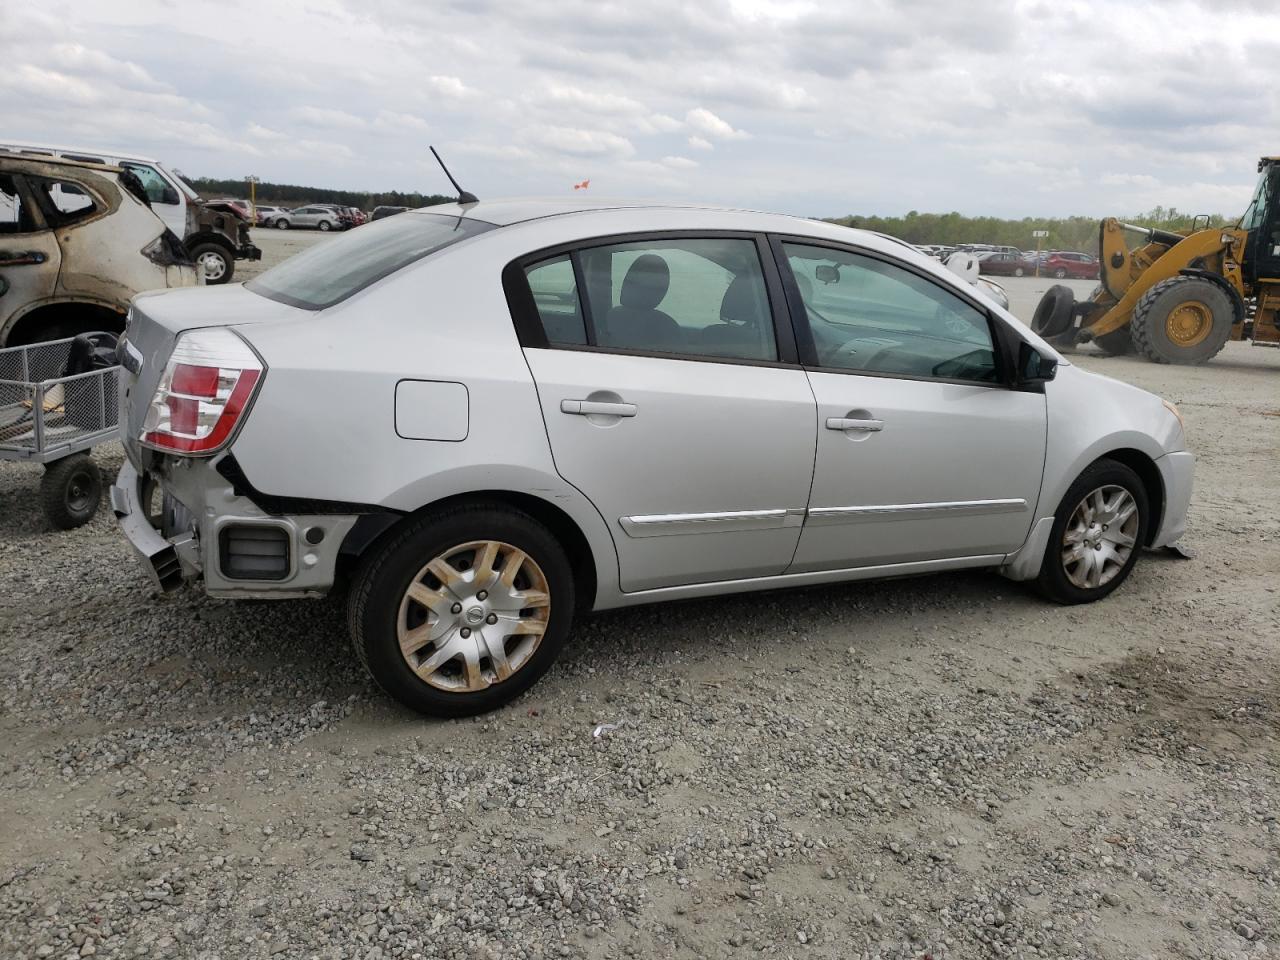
(1065,233)
(292,195)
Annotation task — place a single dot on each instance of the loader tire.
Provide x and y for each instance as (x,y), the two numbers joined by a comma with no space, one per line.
(1117,343)
(1053,313)
(1185,320)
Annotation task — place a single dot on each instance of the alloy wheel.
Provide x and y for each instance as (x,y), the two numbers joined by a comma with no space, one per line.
(473,616)
(1100,537)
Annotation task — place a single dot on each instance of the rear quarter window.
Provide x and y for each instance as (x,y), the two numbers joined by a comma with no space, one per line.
(338,268)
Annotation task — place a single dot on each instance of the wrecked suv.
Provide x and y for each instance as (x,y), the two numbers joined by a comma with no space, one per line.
(495,416)
(76,243)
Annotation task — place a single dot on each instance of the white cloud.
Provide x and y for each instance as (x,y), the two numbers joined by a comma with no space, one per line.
(328,117)
(700,143)
(679,163)
(578,142)
(705,122)
(451,88)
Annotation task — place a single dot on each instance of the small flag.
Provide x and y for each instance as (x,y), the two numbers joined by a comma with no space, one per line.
(583,185)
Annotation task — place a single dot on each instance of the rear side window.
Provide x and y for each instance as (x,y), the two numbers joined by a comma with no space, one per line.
(70,201)
(555,294)
(336,269)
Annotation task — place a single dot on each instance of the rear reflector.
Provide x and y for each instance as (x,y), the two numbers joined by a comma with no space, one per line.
(253,552)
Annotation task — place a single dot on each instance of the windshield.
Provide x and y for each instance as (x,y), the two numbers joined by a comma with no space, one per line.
(335,269)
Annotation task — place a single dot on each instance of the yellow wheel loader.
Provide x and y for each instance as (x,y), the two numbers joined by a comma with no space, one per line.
(1178,298)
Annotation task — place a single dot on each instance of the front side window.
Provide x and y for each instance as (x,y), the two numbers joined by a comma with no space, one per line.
(695,296)
(158,190)
(871,316)
(324,274)
(15,215)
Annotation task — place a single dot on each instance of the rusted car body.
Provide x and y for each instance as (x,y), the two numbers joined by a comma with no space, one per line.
(77,241)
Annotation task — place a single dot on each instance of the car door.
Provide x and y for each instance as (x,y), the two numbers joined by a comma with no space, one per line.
(923,452)
(672,400)
(29,254)
(167,201)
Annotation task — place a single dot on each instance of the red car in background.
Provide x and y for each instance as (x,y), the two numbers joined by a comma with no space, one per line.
(1063,264)
(1006,265)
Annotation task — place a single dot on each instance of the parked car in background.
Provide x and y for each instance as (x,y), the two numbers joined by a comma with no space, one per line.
(266,216)
(314,217)
(595,458)
(213,239)
(999,264)
(241,208)
(386,211)
(76,243)
(1065,263)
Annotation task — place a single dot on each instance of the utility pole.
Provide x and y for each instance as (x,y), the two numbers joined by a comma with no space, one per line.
(253,195)
(1039,235)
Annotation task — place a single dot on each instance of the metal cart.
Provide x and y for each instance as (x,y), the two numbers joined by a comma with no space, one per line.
(52,415)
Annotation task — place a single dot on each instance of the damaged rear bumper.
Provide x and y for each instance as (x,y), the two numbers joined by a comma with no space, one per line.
(169,561)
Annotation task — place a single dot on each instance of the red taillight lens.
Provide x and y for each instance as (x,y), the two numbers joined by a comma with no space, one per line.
(206,386)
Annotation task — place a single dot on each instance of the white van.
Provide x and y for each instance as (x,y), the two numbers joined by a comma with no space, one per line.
(212,239)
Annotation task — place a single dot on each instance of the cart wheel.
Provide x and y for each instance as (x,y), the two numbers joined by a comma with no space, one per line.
(70,491)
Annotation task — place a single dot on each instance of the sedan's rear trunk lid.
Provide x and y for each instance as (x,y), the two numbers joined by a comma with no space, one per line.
(155,322)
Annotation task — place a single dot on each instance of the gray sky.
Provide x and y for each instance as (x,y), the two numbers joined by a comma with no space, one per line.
(1001,107)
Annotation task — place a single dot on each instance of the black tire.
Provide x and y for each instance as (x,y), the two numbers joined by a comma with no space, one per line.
(326,225)
(1117,343)
(282,224)
(390,566)
(1150,323)
(218,262)
(1053,580)
(1053,312)
(70,491)
(1060,274)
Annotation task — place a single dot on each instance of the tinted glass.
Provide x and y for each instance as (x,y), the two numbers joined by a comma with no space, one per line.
(869,315)
(703,297)
(152,182)
(555,293)
(334,270)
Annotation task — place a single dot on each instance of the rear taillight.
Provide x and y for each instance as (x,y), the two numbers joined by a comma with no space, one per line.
(207,384)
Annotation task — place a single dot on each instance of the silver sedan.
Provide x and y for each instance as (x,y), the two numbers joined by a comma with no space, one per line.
(491,418)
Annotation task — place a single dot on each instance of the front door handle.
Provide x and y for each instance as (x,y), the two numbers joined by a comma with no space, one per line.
(597,408)
(858,426)
(9,258)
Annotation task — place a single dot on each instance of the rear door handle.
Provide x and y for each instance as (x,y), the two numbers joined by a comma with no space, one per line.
(597,408)
(9,258)
(858,426)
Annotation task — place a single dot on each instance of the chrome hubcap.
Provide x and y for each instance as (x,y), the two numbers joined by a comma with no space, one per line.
(473,616)
(214,266)
(1100,537)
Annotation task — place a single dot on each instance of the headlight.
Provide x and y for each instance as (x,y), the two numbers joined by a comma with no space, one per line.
(1172,408)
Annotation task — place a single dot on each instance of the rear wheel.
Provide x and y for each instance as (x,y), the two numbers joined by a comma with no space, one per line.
(325,225)
(1019,272)
(282,224)
(1060,273)
(1098,530)
(1117,343)
(1182,320)
(70,491)
(463,610)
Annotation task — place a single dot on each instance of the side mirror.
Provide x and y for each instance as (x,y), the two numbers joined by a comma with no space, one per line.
(168,195)
(1033,366)
(826,273)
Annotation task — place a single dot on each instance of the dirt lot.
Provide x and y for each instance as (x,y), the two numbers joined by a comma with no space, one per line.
(942,767)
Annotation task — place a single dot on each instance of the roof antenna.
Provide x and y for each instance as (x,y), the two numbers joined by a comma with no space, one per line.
(463,195)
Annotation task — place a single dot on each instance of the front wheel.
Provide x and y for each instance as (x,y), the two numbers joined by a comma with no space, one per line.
(282,224)
(1098,530)
(1060,274)
(70,491)
(463,610)
(215,261)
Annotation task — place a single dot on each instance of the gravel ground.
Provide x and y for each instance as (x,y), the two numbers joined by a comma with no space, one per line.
(943,767)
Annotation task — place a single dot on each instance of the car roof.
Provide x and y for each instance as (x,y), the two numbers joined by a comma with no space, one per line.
(26,159)
(18,145)
(505,212)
